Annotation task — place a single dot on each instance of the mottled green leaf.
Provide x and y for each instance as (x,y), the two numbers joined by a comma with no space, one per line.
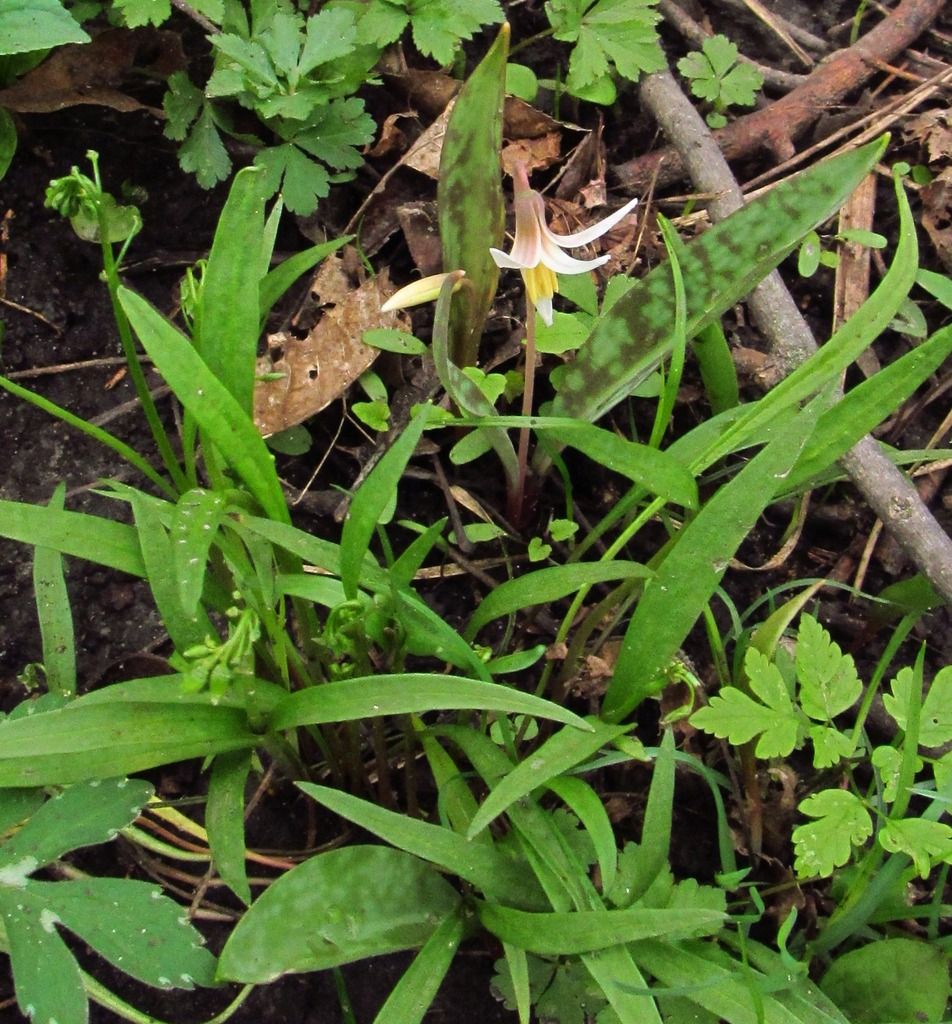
(470,197)
(718,268)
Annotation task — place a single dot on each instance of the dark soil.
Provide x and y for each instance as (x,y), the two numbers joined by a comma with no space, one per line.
(52,273)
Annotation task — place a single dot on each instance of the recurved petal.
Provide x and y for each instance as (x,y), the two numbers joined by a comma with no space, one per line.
(562,263)
(591,233)
(504,260)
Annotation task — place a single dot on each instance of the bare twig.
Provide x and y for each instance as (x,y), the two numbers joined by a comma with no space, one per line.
(678,18)
(777,126)
(887,490)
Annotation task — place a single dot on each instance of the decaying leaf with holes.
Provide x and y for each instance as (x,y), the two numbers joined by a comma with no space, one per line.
(320,367)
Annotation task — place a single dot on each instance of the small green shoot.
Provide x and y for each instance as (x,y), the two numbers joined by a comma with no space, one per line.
(717,76)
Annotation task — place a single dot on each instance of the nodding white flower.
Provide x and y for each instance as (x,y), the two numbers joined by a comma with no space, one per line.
(427,289)
(537,251)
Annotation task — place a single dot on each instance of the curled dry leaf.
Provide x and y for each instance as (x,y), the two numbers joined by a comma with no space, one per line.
(937,214)
(92,72)
(319,367)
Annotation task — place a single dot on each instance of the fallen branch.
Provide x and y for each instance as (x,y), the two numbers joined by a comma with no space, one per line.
(776,126)
(887,490)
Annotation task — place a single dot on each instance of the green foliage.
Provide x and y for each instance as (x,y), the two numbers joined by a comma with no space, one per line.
(873,983)
(132,924)
(717,76)
(825,684)
(609,36)
(439,26)
(136,13)
(27,25)
(299,75)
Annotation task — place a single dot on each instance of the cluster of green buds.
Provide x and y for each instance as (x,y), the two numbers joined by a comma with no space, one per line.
(215,664)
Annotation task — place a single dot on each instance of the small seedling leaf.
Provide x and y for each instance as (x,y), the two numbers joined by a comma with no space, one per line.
(926,842)
(842,822)
(826,676)
(734,716)
(935,721)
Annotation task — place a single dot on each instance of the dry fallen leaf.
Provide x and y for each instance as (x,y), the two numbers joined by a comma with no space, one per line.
(933,131)
(319,367)
(937,214)
(91,72)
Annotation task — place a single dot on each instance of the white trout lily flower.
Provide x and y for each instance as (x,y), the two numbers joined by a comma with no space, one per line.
(537,251)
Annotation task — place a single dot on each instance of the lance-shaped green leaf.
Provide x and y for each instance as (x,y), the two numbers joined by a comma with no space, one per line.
(718,269)
(470,197)
(335,908)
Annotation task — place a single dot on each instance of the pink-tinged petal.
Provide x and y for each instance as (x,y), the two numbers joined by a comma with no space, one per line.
(562,263)
(591,233)
(530,224)
(504,261)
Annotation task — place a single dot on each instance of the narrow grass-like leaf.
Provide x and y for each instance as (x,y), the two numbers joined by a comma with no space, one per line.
(587,806)
(429,635)
(335,908)
(722,986)
(826,365)
(54,613)
(585,931)
(73,533)
(279,280)
(415,991)
(656,471)
(91,430)
(652,856)
(410,693)
(158,690)
(491,872)
(566,749)
(194,523)
(687,577)
(225,820)
(369,502)
(227,325)
(463,391)
(716,364)
(469,194)
(719,268)
(323,554)
(547,585)
(220,416)
(185,630)
(866,405)
(97,741)
(565,881)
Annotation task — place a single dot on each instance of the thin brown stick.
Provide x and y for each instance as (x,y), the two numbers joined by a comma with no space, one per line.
(777,126)
(887,490)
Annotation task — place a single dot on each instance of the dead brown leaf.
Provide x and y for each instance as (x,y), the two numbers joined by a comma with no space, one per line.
(536,154)
(937,214)
(92,72)
(933,131)
(318,368)
(421,229)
